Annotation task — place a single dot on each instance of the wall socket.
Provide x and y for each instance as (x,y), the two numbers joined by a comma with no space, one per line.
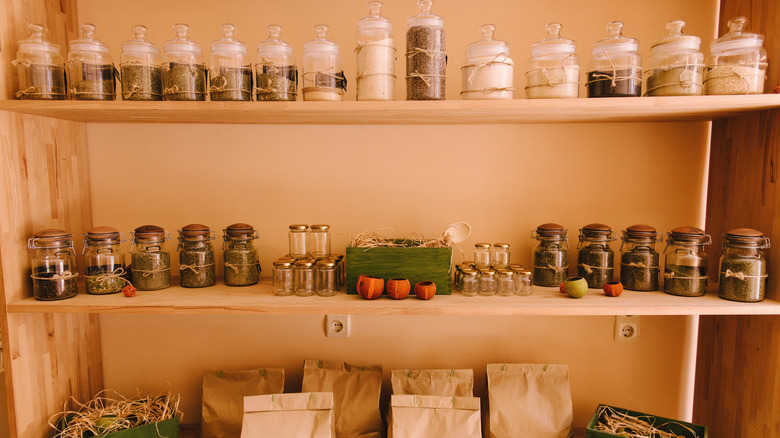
(626,328)
(337,326)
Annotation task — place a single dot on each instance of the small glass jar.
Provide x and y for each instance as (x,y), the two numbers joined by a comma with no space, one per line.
(743,268)
(151,261)
(676,65)
(90,67)
(615,67)
(457,280)
(523,283)
(320,241)
(40,67)
(375,56)
(303,277)
(299,241)
(481,255)
(276,77)
(326,278)
(685,267)
(500,256)
(469,283)
(487,282)
(53,265)
(242,265)
(230,70)
(323,77)
(141,67)
(426,55)
(554,67)
(341,270)
(283,277)
(737,62)
(104,262)
(489,71)
(505,282)
(196,256)
(596,260)
(184,73)
(639,261)
(551,255)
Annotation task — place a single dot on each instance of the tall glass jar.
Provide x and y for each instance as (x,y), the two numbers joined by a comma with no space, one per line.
(141,66)
(283,277)
(323,77)
(676,65)
(184,73)
(615,67)
(639,261)
(499,259)
(551,255)
(104,261)
(596,260)
(320,241)
(299,241)
(53,265)
(685,268)
(40,67)
(303,277)
(242,266)
(276,77)
(743,266)
(737,62)
(554,67)
(375,56)
(90,67)
(489,71)
(230,70)
(151,261)
(327,285)
(196,256)
(426,55)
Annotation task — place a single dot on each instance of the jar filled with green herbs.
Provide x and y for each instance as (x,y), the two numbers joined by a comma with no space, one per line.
(141,67)
(595,259)
(151,261)
(426,55)
(323,76)
(230,72)
(685,268)
(91,73)
(53,265)
(104,261)
(743,265)
(196,256)
(276,77)
(242,266)
(40,67)
(184,72)
(639,261)
(676,65)
(551,255)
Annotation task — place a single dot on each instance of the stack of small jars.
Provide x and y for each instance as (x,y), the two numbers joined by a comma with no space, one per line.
(309,268)
(492,273)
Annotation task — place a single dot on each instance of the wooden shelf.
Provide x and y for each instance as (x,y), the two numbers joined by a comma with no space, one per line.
(624,109)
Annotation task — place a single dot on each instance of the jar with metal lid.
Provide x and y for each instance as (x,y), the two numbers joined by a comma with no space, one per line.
(487,282)
(469,282)
(554,67)
(90,67)
(323,76)
(481,255)
(242,265)
(341,270)
(40,67)
(523,283)
(743,266)
(551,255)
(375,56)
(596,260)
(53,265)
(327,284)
(141,66)
(639,261)
(283,277)
(488,72)
(303,277)
(196,256)
(676,65)
(299,241)
(615,67)
(426,55)
(499,259)
(150,259)
(457,279)
(104,262)
(276,77)
(685,267)
(184,72)
(505,282)
(737,62)
(320,240)
(230,70)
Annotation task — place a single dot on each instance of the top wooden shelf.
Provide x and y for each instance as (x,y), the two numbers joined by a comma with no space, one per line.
(582,110)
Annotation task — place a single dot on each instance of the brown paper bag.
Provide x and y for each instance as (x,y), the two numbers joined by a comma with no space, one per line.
(355,391)
(531,400)
(223,397)
(426,416)
(459,383)
(304,415)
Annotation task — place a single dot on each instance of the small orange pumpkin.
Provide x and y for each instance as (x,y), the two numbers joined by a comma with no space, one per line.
(613,288)
(369,287)
(398,288)
(425,290)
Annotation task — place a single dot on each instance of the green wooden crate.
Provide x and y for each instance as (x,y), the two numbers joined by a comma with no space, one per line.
(665,424)
(162,429)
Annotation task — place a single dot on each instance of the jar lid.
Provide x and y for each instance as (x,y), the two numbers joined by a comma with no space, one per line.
(516,267)
(505,273)
(487,46)
(469,272)
(181,41)
(228,44)
(746,237)
(320,227)
(283,263)
(321,43)
(87,41)
(501,245)
(299,227)
(195,232)
(641,233)
(616,42)
(675,40)
(149,232)
(274,44)
(482,245)
(596,230)
(736,39)
(553,43)
(37,42)
(239,230)
(50,238)
(327,263)
(102,233)
(551,229)
(139,44)
(487,272)
(375,20)
(425,17)
(688,234)
(304,263)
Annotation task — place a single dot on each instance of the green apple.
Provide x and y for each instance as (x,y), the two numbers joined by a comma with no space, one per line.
(576,287)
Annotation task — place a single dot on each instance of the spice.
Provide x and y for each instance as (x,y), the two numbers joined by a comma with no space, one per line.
(196,266)
(241,265)
(276,83)
(54,284)
(232,83)
(742,279)
(46,82)
(551,83)
(551,264)
(734,79)
(677,81)
(426,63)
(686,281)
(141,82)
(639,269)
(621,83)
(96,83)
(596,264)
(151,270)
(104,280)
(184,81)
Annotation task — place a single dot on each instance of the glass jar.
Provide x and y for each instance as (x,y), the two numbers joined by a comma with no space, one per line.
(303,277)
(230,70)
(90,67)
(615,67)
(341,270)
(242,265)
(505,282)
(141,66)
(639,261)
(500,257)
(685,267)
(489,71)
(523,283)
(596,260)
(737,62)
(184,73)
(299,241)
(283,277)
(551,255)
(481,255)
(40,67)
(743,266)
(104,262)
(426,56)
(469,282)
(320,241)
(375,56)
(323,77)
(276,77)
(53,265)
(196,256)
(151,261)
(326,278)
(676,65)
(487,282)
(554,68)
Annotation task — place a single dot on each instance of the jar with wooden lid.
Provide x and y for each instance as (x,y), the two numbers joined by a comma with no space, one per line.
(196,256)
(283,277)
(230,71)
(685,267)
(676,65)
(327,284)
(104,261)
(39,67)
(242,265)
(595,259)
(90,67)
(141,67)
(184,71)
(303,277)
(639,261)
(323,76)
(615,67)
(551,255)
(320,241)
(488,71)
(426,55)
(554,67)
(53,265)
(299,241)
(150,258)
(375,53)
(276,76)
(737,62)
(743,268)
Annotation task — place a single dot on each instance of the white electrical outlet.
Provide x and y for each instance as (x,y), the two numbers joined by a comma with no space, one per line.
(337,326)
(626,328)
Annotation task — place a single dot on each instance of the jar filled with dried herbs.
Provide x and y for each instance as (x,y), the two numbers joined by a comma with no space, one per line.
(141,66)
(743,265)
(230,71)
(323,77)
(685,268)
(91,73)
(53,265)
(151,261)
(639,261)
(375,53)
(104,262)
(196,256)
(40,67)
(283,277)
(554,67)
(595,259)
(551,255)
(184,73)
(242,266)
(426,55)
(276,77)
(488,72)
(737,62)
(676,65)
(615,67)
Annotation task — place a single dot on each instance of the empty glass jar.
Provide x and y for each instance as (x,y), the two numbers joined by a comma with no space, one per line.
(500,256)
(487,282)
(53,265)
(40,67)
(551,255)
(523,283)
(327,284)
(276,77)
(90,67)
(283,277)
(505,282)
(230,70)
(639,261)
(184,73)
(481,255)
(469,282)
(303,277)
(242,266)
(615,67)
(685,268)
(141,66)
(196,256)
(323,77)
(743,265)
(554,68)
(737,62)
(596,260)
(104,262)
(375,56)
(489,71)
(676,65)
(426,55)
(320,241)
(299,241)
(151,261)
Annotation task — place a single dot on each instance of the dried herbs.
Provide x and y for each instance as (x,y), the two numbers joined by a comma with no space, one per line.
(196,266)
(620,83)
(231,84)
(426,63)
(53,284)
(596,264)
(686,281)
(103,280)
(96,83)
(241,265)
(44,82)
(677,81)
(276,83)
(639,269)
(141,82)
(551,265)
(742,278)
(151,270)
(182,81)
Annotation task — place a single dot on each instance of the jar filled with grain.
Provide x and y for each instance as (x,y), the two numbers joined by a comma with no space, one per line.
(743,265)
(685,267)
(615,67)
(53,265)
(375,56)
(639,261)
(595,259)
(676,65)
(40,67)
(90,67)
(488,71)
(276,76)
(551,255)
(426,55)
(150,259)
(140,65)
(196,256)
(104,261)
(184,71)
(737,62)
(554,67)
(242,265)
(230,71)
(323,77)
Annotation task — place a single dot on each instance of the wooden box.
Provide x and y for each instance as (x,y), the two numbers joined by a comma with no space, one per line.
(680,428)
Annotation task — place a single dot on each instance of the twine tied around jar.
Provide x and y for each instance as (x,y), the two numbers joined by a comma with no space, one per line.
(488,90)
(685,80)
(671,275)
(174,89)
(430,53)
(589,268)
(147,273)
(549,73)
(26,92)
(360,47)
(613,78)
(424,78)
(639,265)
(103,278)
(67,275)
(554,268)
(235,267)
(223,86)
(24,62)
(501,58)
(726,71)
(194,268)
(741,275)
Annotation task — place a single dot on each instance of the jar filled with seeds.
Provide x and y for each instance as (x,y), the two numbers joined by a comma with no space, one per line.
(40,67)
(737,62)
(303,277)
(375,56)
(283,277)
(426,55)
(551,255)
(184,72)
(554,67)
(323,77)
(141,67)
(299,241)
(505,282)
(685,268)
(196,256)
(743,265)
(151,261)
(242,265)
(596,260)
(276,77)
(53,265)
(487,282)
(500,256)
(481,255)
(615,67)
(104,262)
(489,71)
(230,71)
(676,65)
(469,283)
(326,278)
(639,261)
(90,67)
(320,241)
